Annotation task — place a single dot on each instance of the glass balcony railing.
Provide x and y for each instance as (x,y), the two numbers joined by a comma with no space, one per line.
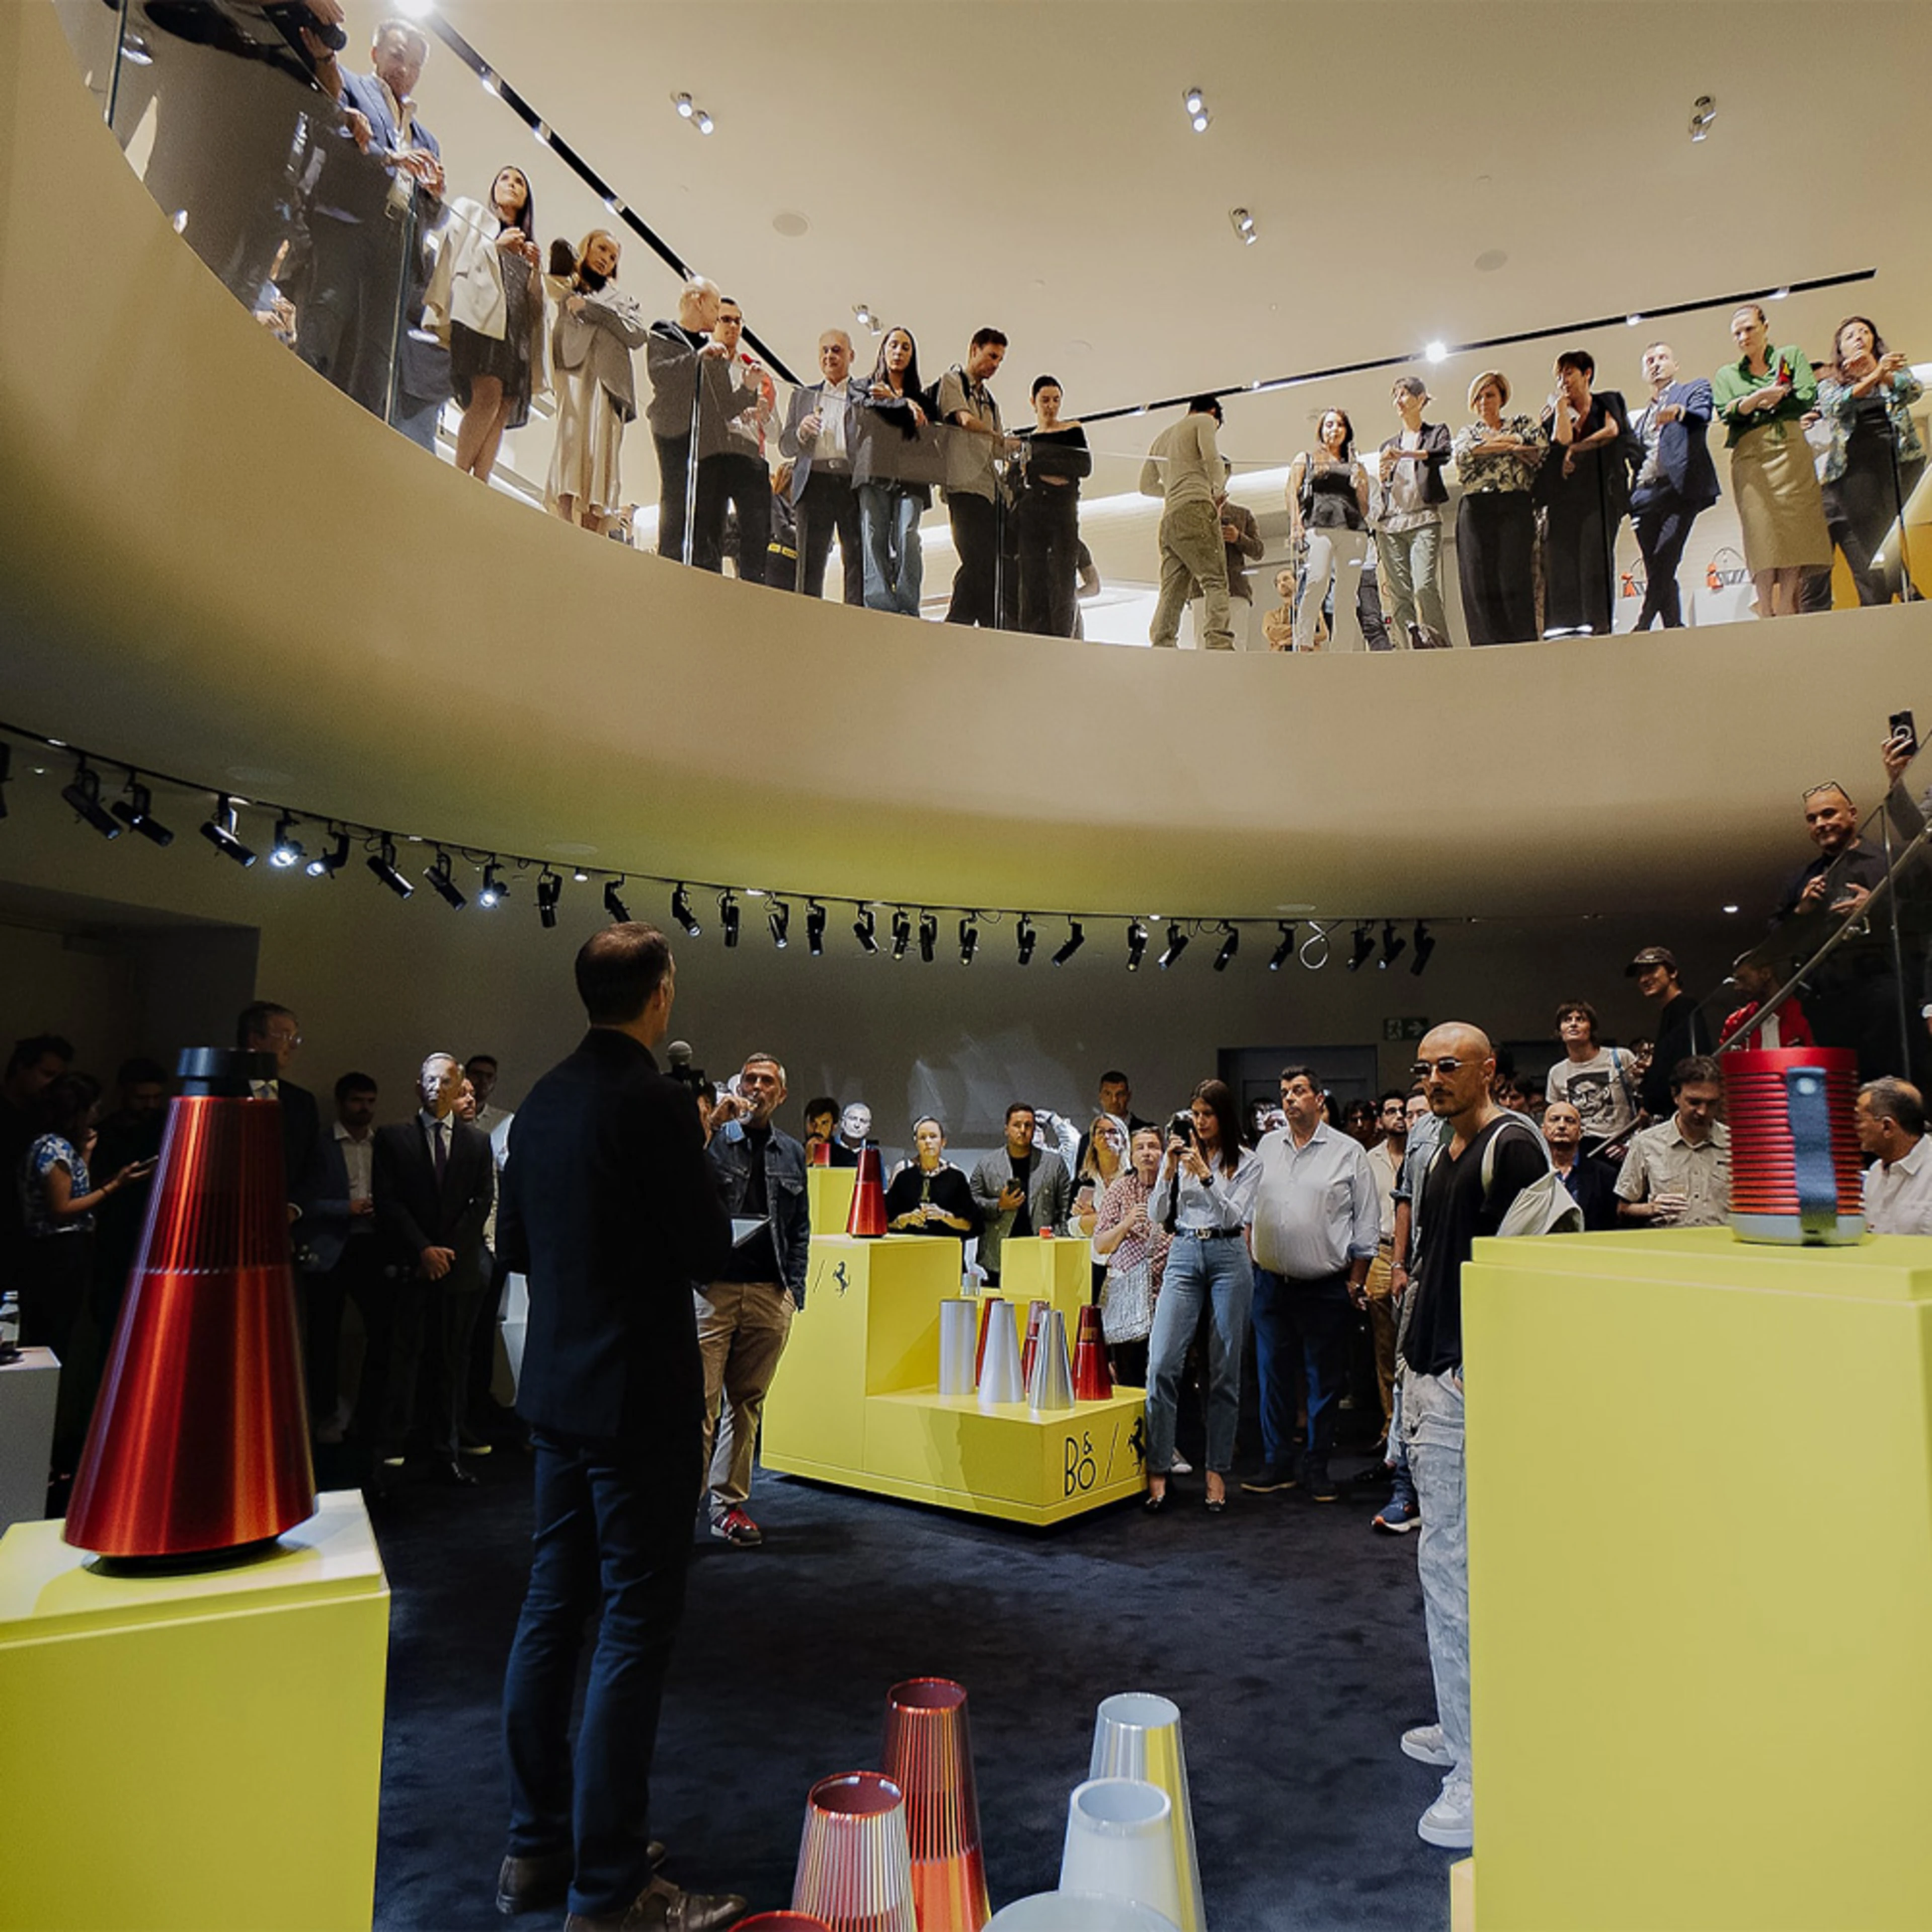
(444,307)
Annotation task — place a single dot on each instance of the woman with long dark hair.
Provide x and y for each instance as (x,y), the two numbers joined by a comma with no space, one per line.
(1328,508)
(1203,1196)
(1049,515)
(892,498)
(1875,458)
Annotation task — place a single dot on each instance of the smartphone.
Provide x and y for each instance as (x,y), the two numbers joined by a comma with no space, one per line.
(1902,727)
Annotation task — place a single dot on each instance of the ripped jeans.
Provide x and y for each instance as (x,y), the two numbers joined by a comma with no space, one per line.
(1431,1433)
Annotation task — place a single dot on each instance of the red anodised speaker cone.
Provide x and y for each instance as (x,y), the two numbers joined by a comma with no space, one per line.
(199,1439)
(868,1215)
(1092,1377)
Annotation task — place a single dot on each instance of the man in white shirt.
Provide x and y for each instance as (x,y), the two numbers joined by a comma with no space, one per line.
(1315,1227)
(1898,1184)
(819,436)
(1385,1160)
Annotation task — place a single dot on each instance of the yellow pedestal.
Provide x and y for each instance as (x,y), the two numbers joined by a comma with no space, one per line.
(828,1197)
(856,1398)
(1700,1570)
(1049,1268)
(189,1753)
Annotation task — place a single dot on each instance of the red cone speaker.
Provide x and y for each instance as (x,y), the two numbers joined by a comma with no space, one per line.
(199,1440)
(821,1154)
(1093,1379)
(868,1217)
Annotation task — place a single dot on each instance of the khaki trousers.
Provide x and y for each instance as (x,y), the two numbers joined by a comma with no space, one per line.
(742,1328)
(1380,1286)
(1192,552)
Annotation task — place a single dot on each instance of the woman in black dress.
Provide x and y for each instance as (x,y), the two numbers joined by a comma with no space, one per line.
(1057,458)
(1585,488)
(1496,460)
(929,1195)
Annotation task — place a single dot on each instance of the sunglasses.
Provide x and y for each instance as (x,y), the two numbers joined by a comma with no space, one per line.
(1422,1069)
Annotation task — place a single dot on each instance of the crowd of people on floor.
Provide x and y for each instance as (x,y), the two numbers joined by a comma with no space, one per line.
(405,295)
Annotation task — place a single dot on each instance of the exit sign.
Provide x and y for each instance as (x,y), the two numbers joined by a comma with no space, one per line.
(1412,1028)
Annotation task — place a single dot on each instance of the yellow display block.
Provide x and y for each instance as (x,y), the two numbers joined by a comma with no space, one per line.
(855,1401)
(1052,1268)
(1700,1570)
(828,1198)
(189,1753)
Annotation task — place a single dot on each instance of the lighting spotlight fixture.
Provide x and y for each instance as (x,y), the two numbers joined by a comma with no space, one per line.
(728,914)
(705,123)
(492,892)
(865,930)
(1243,225)
(779,920)
(1279,957)
(969,940)
(1703,111)
(814,929)
(620,913)
(901,932)
(1196,103)
(582,877)
(864,314)
(445,888)
(1229,946)
(688,110)
(135,811)
(1027,939)
(1076,938)
(1425,944)
(928,937)
(680,910)
(82,791)
(1436,352)
(1137,944)
(1393,945)
(1362,945)
(219,831)
(549,889)
(682,102)
(382,863)
(1177,944)
(326,865)
(286,851)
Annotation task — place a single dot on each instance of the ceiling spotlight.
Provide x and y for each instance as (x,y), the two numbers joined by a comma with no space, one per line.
(1362,944)
(969,940)
(928,937)
(728,918)
(1425,944)
(1026,938)
(682,102)
(1137,944)
(1193,100)
(1703,111)
(1177,944)
(1279,957)
(1778,295)
(445,887)
(287,849)
(326,865)
(901,932)
(615,203)
(620,913)
(1076,938)
(382,863)
(1394,947)
(492,892)
(779,920)
(814,929)
(219,831)
(680,910)
(1229,946)
(541,133)
(1633,321)
(1201,120)
(1436,352)
(863,314)
(705,123)
(1729,908)
(549,889)
(582,877)
(1244,223)
(135,811)
(83,792)
(866,930)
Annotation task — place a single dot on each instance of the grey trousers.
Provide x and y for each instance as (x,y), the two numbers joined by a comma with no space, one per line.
(1412,562)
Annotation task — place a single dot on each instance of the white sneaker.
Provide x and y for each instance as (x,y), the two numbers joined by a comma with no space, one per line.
(1427,1745)
(1450,1822)
(1178,1468)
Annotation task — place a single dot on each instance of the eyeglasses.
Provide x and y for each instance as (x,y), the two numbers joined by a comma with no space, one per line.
(1422,1070)
(1830,784)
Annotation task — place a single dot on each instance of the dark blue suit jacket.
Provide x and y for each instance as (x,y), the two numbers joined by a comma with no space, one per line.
(1682,453)
(355,187)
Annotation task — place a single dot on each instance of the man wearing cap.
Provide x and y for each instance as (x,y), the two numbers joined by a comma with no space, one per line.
(1890,1120)
(1682,1031)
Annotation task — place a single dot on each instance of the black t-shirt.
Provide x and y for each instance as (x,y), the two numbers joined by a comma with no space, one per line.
(757,1260)
(1023,1214)
(1681,1031)
(1453,1213)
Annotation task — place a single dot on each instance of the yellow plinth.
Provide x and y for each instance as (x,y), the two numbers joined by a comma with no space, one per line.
(1049,1268)
(1700,1570)
(828,1195)
(856,1398)
(190,1753)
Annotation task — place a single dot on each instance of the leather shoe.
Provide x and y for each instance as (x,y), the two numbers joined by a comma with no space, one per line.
(542,1882)
(454,1472)
(661,1907)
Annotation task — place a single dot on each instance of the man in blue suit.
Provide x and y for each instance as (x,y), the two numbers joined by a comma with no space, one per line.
(1674,479)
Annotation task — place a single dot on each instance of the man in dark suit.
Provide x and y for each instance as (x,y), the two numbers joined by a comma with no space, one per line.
(435,1179)
(339,1250)
(820,436)
(609,1210)
(264,1027)
(1674,481)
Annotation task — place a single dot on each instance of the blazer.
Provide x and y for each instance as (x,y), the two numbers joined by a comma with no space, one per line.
(1049,1198)
(413,1214)
(602,337)
(324,1230)
(1683,454)
(610,1211)
(301,1142)
(804,402)
(467,285)
(1433,453)
(355,187)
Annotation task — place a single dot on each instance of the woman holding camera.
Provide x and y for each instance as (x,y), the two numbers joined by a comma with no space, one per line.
(1204,1197)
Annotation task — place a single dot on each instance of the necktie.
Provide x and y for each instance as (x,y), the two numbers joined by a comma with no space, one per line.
(441,1151)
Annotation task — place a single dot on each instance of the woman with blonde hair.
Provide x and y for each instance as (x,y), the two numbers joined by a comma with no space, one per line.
(1497,457)
(929,1195)
(598,327)
(1103,1164)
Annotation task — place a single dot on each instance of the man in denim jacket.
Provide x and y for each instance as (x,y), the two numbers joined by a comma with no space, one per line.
(744,1317)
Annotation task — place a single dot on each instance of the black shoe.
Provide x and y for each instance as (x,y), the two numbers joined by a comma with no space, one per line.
(535,1884)
(1322,1485)
(1155,1500)
(453,1471)
(1270,1478)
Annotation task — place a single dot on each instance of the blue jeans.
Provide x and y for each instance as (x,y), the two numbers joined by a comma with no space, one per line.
(1432,1429)
(1218,1275)
(895,564)
(1312,1318)
(612,1528)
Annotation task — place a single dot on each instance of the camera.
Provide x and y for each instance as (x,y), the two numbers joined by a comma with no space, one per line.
(1182,1124)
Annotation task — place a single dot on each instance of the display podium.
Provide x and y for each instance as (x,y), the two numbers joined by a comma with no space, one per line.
(1050,1268)
(29,1395)
(1700,1569)
(828,1196)
(193,1753)
(856,1400)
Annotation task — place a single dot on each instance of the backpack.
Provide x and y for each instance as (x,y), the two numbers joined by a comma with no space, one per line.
(1545,1206)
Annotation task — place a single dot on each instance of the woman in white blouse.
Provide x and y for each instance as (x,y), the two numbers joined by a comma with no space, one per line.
(1204,1196)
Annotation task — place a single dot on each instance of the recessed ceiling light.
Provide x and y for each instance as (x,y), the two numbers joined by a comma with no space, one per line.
(1193,100)
(1730,908)
(1490,260)
(1436,352)
(1631,321)
(682,102)
(788,222)
(705,123)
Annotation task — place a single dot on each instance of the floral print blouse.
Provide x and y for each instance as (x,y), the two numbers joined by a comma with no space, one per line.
(1486,472)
